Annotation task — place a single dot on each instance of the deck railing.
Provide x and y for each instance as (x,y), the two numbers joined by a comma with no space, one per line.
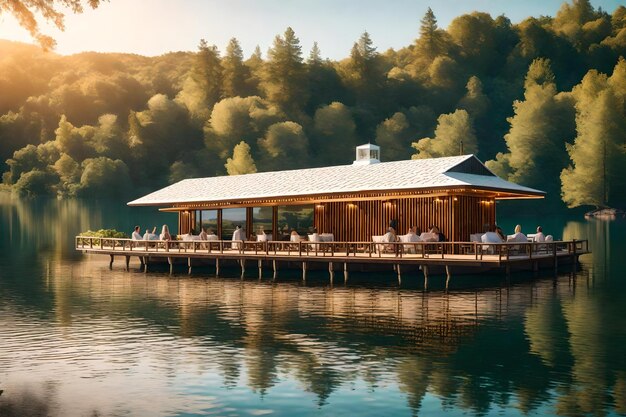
(473,250)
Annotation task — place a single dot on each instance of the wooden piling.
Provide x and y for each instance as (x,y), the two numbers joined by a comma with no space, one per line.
(345,272)
(127,262)
(331,272)
(169,261)
(189,265)
(425,271)
(448,276)
(260,263)
(217,267)
(274,268)
(399,274)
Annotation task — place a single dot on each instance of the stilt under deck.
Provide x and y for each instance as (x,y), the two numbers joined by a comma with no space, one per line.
(450,257)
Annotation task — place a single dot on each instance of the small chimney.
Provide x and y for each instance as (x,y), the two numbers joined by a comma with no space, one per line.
(367,155)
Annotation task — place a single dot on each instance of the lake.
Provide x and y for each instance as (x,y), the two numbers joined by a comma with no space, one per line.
(78,339)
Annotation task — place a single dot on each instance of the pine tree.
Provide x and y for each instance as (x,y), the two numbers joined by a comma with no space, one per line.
(235,73)
(285,75)
(202,88)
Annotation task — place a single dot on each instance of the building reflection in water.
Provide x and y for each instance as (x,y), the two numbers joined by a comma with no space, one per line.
(155,344)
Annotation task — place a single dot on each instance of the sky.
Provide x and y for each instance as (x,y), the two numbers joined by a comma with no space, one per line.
(155,27)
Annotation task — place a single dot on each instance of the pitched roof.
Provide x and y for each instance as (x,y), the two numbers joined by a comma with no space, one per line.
(454,171)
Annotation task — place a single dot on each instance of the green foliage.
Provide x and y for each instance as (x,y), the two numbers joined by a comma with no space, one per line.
(241,162)
(97,124)
(112,233)
(454,135)
(103,177)
(542,124)
(285,145)
(597,175)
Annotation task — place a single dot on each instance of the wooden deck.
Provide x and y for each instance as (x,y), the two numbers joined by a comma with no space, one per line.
(457,257)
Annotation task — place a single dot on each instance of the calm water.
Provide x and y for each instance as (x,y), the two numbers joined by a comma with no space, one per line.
(77,339)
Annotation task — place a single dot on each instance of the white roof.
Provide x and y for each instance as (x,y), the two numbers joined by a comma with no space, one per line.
(385,176)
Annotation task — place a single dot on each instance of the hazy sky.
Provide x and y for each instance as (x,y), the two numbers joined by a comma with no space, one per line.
(154,27)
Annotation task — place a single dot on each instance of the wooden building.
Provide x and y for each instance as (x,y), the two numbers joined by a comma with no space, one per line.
(353,202)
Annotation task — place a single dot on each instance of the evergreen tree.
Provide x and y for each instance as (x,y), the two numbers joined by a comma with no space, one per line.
(284,80)
(241,162)
(235,73)
(255,65)
(202,88)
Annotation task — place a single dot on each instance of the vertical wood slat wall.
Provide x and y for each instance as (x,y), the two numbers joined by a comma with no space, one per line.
(457,217)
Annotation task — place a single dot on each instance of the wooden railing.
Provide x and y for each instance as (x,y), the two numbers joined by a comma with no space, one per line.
(473,250)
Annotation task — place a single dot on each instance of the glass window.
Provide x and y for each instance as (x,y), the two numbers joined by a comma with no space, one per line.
(262,220)
(230,219)
(299,218)
(206,219)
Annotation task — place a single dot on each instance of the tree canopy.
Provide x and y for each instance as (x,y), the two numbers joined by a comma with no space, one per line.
(542,101)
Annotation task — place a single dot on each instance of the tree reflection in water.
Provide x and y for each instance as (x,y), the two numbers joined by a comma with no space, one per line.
(197,343)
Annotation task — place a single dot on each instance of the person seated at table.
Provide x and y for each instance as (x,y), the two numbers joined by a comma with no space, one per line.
(137,234)
(261,236)
(500,233)
(165,233)
(490,236)
(150,235)
(294,236)
(203,235)
(413,234)
(390,236)
(440,237)
(539,236)
(518,236)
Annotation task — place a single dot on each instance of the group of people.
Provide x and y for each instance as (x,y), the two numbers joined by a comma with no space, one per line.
(494,234)
(151,235)
(414,234)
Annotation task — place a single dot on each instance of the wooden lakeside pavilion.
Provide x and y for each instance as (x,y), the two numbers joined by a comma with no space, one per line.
(352,204)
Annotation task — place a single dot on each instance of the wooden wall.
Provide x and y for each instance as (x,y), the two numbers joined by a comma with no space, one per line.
(456,216)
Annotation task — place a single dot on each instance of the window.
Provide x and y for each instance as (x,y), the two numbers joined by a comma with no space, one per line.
(230,219)
(206,219)
(299,218)
(262,220)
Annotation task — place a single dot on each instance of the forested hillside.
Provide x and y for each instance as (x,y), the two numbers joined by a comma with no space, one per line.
(543,101)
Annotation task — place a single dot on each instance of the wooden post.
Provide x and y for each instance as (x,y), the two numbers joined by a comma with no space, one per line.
(274,268)
(242,262)
(399,274)
(127,262)
(217,267)
(425,270)
(169,261)
(111,263)
(145,263)
(303,270)
(448,276)
(345,272)
(556,260)
(331,272)
(189,265)
(260,268)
